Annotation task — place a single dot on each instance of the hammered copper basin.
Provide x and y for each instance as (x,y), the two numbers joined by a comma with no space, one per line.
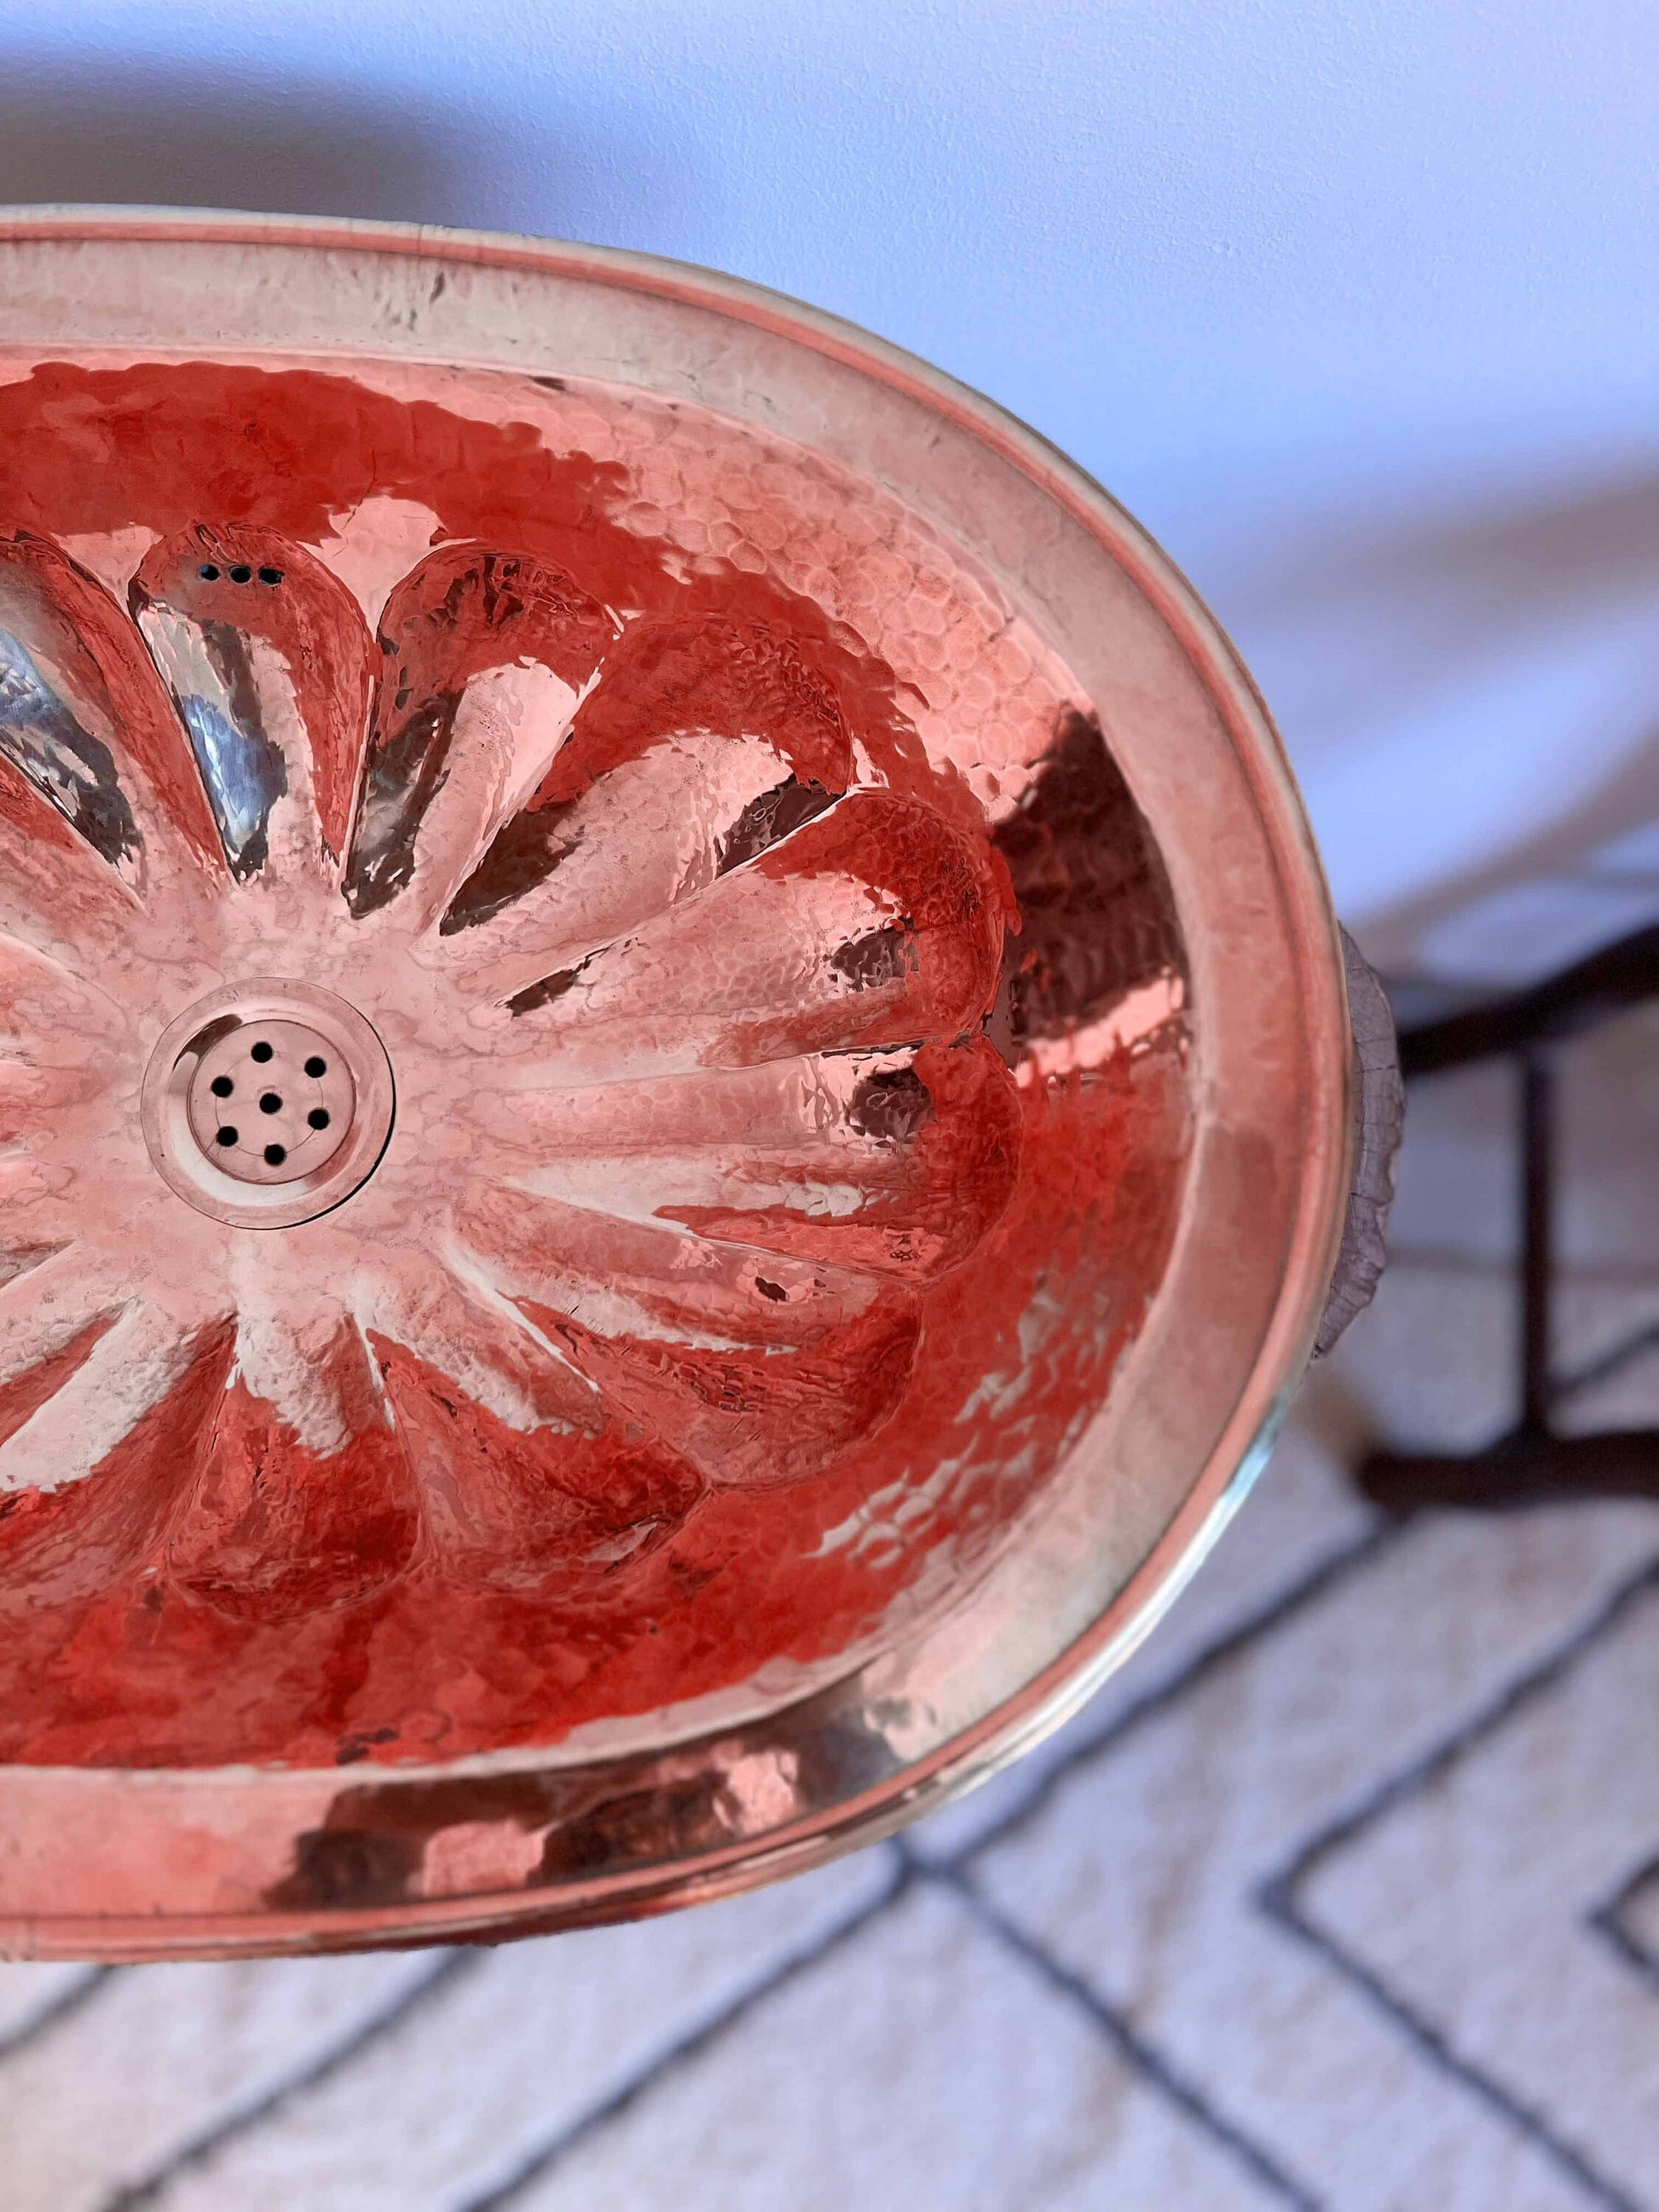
(674,1075)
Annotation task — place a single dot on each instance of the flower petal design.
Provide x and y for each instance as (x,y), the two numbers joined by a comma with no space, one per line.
(525,1486)
(60,1039)
(53,1310)
(540,1510)
(77,1541)
(671,675)
(56,893)
(40,1367)
(59,1020)
(304,1500)
(872,924)
(84,717)
(107,1375)
(760,1369)
(481,1343)
(668,689)
(267,656)
(464,611)
(18,1253)
(899,1161)
(698,1131)
(771,953)
(678,811)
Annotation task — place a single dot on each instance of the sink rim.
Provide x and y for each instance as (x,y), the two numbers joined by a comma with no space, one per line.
(45,1809)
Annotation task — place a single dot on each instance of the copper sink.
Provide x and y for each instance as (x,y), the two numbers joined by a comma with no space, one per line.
(676,1079)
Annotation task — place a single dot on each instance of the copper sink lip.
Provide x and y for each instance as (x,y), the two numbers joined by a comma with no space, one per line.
(1047,1698)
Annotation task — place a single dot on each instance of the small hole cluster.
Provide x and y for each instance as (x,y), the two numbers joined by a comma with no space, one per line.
(277,1099)
(270,1101)
(240,573)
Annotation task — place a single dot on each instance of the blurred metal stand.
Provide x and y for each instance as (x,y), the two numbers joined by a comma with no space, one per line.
(1532,1464)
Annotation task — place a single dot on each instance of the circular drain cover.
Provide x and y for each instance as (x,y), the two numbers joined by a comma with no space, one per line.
(267,1103)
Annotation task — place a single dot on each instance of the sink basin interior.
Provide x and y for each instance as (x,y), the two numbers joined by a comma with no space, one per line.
(786,1028)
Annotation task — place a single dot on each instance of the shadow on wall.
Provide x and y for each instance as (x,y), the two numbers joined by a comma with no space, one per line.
(139,139)
(1540,624)
(1589,877)
(285,144)
(1502,675)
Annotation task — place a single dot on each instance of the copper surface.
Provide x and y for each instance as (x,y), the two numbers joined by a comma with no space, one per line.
(677,1083)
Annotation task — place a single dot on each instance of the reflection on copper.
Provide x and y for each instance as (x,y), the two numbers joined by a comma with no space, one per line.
(788,1015)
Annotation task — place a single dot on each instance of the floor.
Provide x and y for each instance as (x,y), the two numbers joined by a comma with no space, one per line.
(1344,1893)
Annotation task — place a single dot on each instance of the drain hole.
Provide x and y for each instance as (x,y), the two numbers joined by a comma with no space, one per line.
(241,574)
(316,1066)
(275,1155)
(208,572)
(262,1051)
(271,1103)
(227,1135)
(318,1117)
(271,575)
(221,1086)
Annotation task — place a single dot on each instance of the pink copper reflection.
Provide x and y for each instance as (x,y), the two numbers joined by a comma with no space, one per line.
(711,1001)
(740,1019)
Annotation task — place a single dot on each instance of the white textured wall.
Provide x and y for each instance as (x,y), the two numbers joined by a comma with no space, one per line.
(1354,303)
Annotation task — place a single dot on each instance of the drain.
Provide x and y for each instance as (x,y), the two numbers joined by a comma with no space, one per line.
(268,1104)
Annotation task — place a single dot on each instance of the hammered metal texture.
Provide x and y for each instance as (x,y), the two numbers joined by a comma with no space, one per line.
(675,1081)
(784,1003)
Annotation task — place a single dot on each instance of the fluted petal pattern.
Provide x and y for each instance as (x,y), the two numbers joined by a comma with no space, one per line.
(685,1021)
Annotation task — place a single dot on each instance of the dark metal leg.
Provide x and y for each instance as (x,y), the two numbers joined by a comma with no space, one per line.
(1537,1239)
(1531,1464)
